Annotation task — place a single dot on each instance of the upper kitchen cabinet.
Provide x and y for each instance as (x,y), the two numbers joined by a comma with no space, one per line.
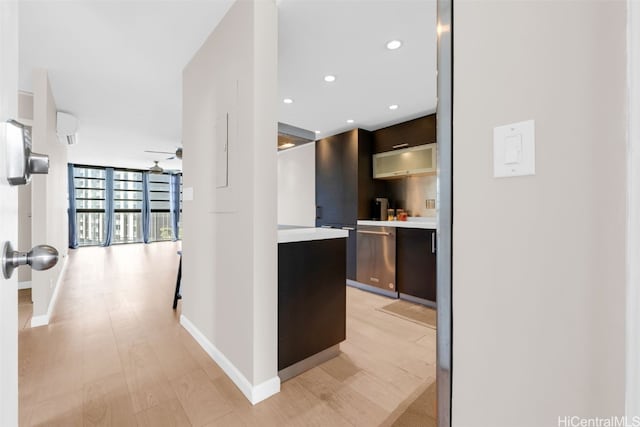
(412,161)
(415,132)
(344,188)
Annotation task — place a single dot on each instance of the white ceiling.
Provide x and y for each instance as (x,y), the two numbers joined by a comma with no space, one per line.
(117,66)
(347,38)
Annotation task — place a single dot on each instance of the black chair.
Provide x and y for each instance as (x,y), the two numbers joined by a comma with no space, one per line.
(177,295)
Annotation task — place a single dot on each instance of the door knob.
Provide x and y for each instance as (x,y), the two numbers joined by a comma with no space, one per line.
(41,257)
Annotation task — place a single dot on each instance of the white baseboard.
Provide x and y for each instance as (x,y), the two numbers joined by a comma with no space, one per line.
(43,319)
(254,394)
(24,285)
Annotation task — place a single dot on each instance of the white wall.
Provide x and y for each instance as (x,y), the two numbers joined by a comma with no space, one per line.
(633,219)
(230,238)
(49,201)
(297,185)
(25,116)
(24,231)
(539,261)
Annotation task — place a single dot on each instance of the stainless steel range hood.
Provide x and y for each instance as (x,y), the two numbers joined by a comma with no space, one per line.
(290,136)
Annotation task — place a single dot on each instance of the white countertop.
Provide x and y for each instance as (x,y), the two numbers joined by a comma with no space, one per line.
(302,234)
(427,223)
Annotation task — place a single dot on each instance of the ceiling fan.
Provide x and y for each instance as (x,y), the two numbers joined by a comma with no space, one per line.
(157,169)
(175,155)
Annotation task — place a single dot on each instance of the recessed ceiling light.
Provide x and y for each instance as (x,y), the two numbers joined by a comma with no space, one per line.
(394,44)
(288,101)
(350,121)
(317,131)
(393,107)
(287,145)
(329,78)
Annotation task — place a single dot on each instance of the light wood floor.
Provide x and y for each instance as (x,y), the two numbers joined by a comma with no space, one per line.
(25,308)
(115,355)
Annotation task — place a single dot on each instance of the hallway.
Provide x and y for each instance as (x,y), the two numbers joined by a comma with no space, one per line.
(115,354)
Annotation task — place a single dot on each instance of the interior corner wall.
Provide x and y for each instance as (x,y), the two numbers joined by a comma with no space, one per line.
(49,201)
(229,281)
(24,230)
(539,261)
(297,186)
(25,116)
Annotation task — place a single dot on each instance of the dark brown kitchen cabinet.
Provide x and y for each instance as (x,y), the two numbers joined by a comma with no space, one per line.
(415,132)
(416,263)
(311,298)
(344,185)
(352,254)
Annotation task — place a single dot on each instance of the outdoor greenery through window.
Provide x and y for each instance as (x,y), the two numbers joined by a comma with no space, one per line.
(90,202)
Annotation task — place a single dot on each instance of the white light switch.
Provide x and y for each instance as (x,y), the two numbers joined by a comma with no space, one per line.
(514,149)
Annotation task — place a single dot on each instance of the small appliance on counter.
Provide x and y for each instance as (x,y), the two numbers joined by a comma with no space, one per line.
(380,206)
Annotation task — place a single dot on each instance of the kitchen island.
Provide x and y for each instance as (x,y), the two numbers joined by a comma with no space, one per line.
(311,297)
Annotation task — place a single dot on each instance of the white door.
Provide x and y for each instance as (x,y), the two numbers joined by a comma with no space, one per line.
(8,217)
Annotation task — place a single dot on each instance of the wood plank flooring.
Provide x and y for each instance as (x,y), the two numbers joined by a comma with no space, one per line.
(25,308)
(116,355)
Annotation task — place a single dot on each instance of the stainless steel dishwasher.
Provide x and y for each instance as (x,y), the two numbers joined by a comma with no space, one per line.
(377,257)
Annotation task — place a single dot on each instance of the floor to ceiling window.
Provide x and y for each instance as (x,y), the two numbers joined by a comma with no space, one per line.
(129,198)
(127,206)
(90,203)
(180,207)
(159,198)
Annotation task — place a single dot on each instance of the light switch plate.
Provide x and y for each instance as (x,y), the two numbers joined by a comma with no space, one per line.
(514,151)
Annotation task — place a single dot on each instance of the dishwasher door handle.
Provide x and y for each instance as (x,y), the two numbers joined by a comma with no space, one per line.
(377,233)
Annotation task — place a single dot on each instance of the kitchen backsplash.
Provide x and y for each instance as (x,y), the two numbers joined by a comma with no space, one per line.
(411,194)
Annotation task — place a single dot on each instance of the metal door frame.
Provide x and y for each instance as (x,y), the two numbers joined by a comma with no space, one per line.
(445,211)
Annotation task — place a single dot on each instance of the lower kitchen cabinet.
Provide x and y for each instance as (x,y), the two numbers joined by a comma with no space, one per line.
(311,298)
(416,263)
(352,254)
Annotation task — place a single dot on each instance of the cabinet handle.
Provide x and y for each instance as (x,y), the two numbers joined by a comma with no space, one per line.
(318,212)
(433,242)
(400,146)
(348,228)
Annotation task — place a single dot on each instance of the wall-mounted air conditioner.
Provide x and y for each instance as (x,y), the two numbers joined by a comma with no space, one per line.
(67,128)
